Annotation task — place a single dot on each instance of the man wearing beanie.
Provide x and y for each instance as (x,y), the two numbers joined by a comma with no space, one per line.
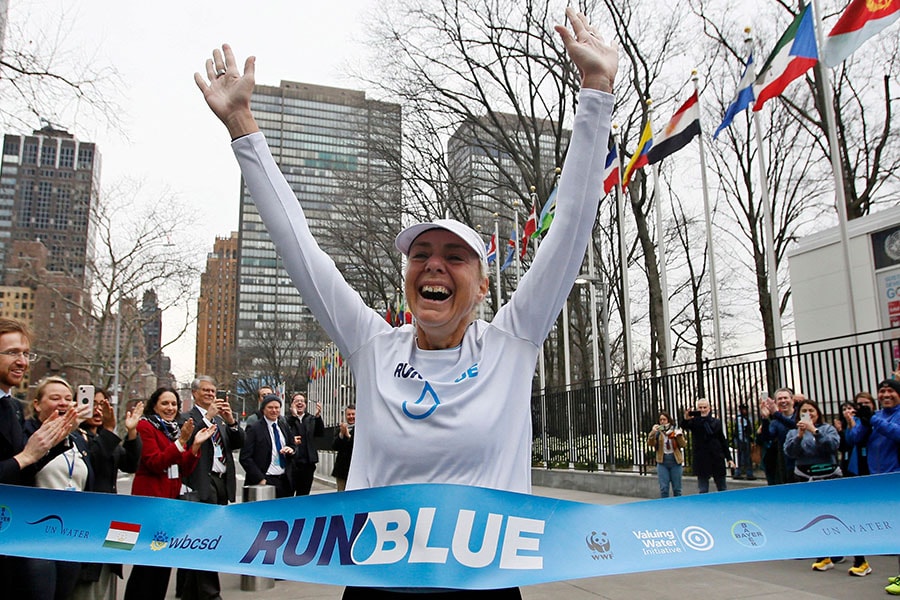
(881,434)
(268,449)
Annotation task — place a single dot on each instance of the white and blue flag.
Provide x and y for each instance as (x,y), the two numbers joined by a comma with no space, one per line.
(742,98)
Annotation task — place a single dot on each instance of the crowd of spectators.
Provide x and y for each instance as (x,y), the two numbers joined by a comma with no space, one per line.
(797,442)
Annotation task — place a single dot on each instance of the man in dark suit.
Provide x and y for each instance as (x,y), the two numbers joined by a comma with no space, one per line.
(304,427)
(21,459)
(213,481)
(268,448)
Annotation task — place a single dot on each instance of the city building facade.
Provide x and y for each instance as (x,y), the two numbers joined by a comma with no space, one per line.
(216,316)
(48,186)
(58,312)
(340,154)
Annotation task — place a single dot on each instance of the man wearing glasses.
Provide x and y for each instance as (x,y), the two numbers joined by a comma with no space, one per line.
(18,458)
(21,459)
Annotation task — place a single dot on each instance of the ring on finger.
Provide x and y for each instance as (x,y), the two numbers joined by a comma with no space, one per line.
(219,73)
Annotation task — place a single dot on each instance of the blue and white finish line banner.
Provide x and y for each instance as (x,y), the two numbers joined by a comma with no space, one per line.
(447,536)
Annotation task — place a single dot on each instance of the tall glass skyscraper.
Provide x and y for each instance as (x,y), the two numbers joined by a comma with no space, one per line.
(340,153)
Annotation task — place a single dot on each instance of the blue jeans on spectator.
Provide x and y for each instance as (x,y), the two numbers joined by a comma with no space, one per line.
(669,471)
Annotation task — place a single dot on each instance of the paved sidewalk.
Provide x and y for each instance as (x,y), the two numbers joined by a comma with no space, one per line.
(773,580)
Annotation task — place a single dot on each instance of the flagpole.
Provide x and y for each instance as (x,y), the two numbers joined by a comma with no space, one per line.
(542,371)
(769,235)
(623,265)
(840,198)
(592,280)
(595,344)
(661,244)
(518,258)
(481,304)
(713,284)
(568,381)
(768,226)
(497,260)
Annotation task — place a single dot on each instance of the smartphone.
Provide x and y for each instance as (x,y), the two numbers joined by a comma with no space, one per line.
(693,413)
(84,401)
(806,418)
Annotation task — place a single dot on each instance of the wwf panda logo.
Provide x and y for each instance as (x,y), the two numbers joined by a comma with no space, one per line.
(600,544)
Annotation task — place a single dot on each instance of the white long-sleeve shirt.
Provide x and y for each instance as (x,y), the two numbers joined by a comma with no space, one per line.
(460,415)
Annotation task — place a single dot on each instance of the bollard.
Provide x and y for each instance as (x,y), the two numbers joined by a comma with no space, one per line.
(252,493)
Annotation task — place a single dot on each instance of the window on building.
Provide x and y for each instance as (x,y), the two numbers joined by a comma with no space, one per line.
(48,155)
(66,157)
(29,155)
(85,157)
(11,145)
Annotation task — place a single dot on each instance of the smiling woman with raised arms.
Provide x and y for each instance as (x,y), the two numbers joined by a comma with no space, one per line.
(451,392)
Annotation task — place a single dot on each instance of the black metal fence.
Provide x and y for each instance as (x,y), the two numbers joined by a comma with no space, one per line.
(604,425)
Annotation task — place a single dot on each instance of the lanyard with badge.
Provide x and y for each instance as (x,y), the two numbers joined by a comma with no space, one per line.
(70,487)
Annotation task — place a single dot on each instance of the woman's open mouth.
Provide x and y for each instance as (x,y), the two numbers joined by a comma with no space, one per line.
(436,293)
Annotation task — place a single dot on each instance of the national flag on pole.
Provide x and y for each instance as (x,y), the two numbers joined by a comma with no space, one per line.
(121,535)
(404,316)
(491,248)
(512,246)
(530,228)
(681,129)
(861,20)
(639,158)
(794,54)
(546,214)
(611,172)
(742,98)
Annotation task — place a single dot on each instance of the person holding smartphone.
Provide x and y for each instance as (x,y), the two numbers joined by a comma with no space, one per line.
(711,452)
(813,446)
(69,470)
(667,440)
(213,481)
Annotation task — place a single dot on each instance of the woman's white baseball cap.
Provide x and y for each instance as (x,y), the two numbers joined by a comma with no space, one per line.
(471,237)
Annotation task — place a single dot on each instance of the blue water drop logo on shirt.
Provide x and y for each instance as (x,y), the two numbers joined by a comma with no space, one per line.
(426,404)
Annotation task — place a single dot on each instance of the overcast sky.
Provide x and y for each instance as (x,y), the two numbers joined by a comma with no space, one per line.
(171,140)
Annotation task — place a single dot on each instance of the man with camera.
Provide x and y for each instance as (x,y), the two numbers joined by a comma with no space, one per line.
(213,481)
(711,451)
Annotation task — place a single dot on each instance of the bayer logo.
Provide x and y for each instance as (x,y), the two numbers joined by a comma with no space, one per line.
(697,538)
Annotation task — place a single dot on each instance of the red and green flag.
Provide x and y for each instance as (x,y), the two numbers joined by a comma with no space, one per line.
(794,54)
